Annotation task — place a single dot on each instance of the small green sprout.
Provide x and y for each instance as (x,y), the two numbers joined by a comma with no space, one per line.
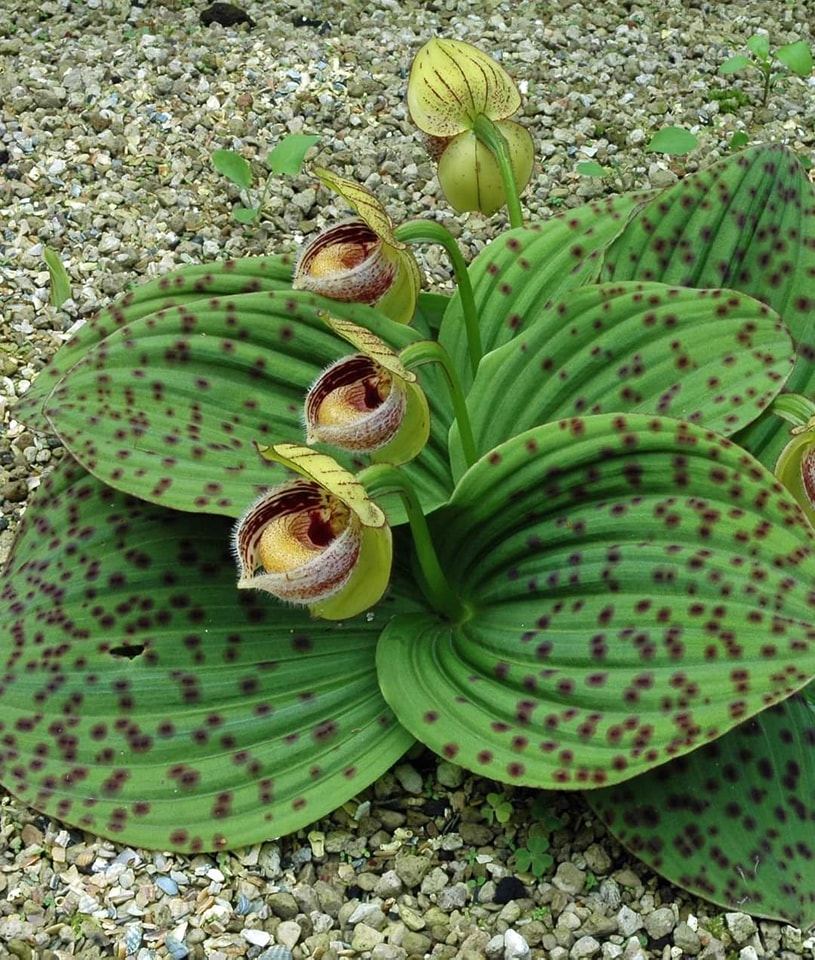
(60,281)
(534,858)
(497,808)
(591,168)
(287,157)
(795,57)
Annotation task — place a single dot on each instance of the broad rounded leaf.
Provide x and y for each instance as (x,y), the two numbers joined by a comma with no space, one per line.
(198,282)
(233,166)
(732,821)
(746,223)
(675,141)
(734,64)
(711,357)
(636,587)
(143,697)
(759,44)
(529,265)
(591,168)
(170,406)
(289,154)
(796,57)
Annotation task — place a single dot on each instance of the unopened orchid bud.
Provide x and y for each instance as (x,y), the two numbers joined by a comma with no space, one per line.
(451,85)
(360,260)
(318,541)
(796,468)
(369,402)
(469,173)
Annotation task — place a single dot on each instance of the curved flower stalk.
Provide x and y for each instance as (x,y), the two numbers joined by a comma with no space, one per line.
(369,402)
(319,541)
(360,260)
(462,99)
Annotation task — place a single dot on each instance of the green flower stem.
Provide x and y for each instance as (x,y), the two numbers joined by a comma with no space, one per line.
(428,351)
(428,231)
(793,408)
(495,141)
(382,479)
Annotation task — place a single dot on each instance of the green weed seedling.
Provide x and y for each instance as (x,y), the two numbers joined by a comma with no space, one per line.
(773,65)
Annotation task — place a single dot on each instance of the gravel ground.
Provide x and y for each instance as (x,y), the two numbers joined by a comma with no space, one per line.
(108,114)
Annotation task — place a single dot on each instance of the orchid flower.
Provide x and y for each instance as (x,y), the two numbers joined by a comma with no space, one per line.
(453,90)
(319,541)
(360,260)
(368,402)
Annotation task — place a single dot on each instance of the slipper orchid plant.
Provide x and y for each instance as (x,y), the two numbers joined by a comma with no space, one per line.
(534,525)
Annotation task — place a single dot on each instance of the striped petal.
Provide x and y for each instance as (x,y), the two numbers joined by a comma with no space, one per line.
(451,82)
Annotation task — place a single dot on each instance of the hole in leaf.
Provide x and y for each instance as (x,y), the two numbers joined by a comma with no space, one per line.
(129,650)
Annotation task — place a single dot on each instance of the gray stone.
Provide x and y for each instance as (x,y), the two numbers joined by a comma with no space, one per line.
(714,950)
(569,878)
(411,918)
(495,948)
(411,869)
(741,926)
(269,861)
(435,881)
(628,921)
(330,898)
(388,885)
(748,953)
(387,951)
(792,939)
(611,951)
(453,898)
(449,775)
(284,905)
(474,946)
(515,947)
(370,914)
(288,933)
(660,923)
(365,938)
(585,947)
(598,924)
(687,939)
(597,860)
(415,942)
(408,778)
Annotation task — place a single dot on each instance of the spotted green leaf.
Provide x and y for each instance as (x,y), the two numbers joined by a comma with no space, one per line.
(187,285)
(711,357)
(169,407)
(635,587)
(144,698)
(732,821)
(746,223)
(530,265)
